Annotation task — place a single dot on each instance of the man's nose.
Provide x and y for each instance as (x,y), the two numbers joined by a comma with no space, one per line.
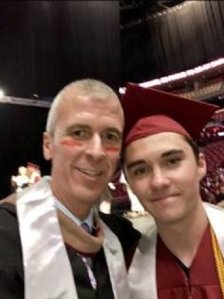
(159,178)
(95,148)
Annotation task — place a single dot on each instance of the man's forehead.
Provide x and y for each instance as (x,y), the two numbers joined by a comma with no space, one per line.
(82,100)
(84,109)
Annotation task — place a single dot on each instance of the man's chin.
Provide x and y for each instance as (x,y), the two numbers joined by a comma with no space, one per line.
(89,196)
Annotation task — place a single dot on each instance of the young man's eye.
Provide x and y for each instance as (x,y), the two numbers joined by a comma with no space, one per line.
(173,161)
(139,171)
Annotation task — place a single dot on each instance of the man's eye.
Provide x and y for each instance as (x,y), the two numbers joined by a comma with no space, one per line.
(112,137)
(80,133)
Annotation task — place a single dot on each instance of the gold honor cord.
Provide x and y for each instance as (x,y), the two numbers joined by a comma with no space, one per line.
(218,260)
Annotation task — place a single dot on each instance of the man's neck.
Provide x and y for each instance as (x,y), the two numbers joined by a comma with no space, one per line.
(80,211)
(183,238)
(78,208)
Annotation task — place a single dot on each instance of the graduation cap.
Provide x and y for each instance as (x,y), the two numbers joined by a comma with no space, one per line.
(150,111)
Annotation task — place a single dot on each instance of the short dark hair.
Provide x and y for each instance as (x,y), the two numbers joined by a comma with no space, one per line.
(194,146)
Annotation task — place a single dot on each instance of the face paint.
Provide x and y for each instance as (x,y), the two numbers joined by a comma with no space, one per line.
(112,149)
(70,142)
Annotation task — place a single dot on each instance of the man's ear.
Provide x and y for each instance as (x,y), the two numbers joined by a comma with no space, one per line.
(47,146)
(202,166)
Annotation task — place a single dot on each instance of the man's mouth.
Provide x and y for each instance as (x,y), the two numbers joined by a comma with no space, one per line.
(163,197)
(91,172)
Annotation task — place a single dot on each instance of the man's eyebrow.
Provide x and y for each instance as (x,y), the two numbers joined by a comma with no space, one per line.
(77,125)
(135,163)
(172,152)
(115,130)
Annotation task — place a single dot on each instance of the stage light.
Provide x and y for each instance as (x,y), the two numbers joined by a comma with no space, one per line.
(2,93)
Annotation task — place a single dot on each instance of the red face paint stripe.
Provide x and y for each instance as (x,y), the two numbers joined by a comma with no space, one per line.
(112,149)
(70,142)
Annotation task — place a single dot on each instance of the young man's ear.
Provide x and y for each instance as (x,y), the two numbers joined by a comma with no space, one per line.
(202,166)
(47,146)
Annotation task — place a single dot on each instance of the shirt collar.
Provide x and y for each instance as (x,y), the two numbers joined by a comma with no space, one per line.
(88,220)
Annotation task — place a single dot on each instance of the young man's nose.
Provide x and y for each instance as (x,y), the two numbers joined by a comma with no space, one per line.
(159,178)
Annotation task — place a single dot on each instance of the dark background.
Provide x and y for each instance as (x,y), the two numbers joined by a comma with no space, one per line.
(21,130)
(47,44)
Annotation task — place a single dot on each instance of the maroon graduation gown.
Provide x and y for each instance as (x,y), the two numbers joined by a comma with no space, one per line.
(201,282)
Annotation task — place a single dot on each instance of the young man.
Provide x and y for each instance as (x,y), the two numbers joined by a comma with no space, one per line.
(181,256)
(44,252)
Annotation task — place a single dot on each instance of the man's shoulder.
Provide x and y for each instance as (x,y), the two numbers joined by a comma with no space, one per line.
(8,222)
(125,232)
(122,227)
(7,212)
(10,249)
(117,222)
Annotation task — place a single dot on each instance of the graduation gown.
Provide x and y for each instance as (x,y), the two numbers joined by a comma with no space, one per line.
(156,274)
(59,273)
(198,282)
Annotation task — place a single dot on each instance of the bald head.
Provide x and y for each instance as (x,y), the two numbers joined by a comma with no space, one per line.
(94,89)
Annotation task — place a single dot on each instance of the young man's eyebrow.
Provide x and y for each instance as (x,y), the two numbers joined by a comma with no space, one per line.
(171,152)
(135,163)
(164,155)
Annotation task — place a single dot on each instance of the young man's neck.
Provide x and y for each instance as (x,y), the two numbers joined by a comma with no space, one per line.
(183,238)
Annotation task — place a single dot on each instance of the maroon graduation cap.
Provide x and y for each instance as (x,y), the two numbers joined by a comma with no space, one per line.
(150,111)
